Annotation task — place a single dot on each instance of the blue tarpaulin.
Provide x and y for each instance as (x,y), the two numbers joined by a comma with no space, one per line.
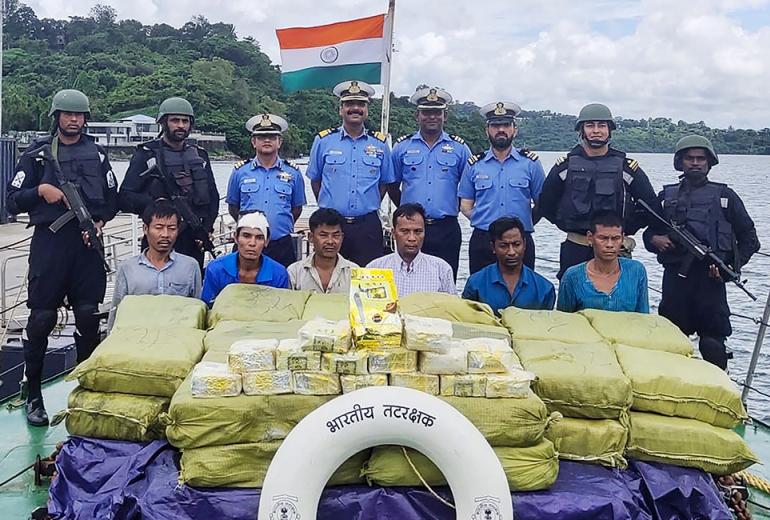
(116,480)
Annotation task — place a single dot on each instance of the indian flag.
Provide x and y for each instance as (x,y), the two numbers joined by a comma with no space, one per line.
(317,57)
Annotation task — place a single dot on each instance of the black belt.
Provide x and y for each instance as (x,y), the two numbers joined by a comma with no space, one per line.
(355,220)
(431,221)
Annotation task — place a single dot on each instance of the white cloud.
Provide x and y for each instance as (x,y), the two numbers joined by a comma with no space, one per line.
(684,59)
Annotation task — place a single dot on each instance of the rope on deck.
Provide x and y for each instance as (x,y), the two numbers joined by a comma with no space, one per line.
(754,481)
(440,499)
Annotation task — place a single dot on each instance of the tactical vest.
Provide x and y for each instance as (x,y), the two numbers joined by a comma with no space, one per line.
(702,211)
(591,185)
(188,169)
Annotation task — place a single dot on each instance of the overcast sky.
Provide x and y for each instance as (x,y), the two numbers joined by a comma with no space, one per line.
(684,59)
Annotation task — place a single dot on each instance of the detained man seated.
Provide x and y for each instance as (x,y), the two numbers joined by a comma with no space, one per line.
(607,281)
(413,270)
(158,269)
(325,271)
(508,282)
(248,264)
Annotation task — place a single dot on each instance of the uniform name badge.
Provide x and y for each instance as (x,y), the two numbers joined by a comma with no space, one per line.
(447,148)
(371,150)
(284,176)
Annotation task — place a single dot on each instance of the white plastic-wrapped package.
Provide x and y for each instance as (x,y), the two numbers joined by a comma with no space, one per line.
(252,355)
(350,363)
(325,335)
(453,361)
(427,383)
(470,385)
(427,334)
(267,383)
(392,361)
(353,383)
(514,383)
(316,383)
(215,380)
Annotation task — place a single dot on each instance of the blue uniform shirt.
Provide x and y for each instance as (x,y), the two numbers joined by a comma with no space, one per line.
(350,171)
(430,175)
(223,271)
(577,291)
(273,191)
(504,189)
(532,291)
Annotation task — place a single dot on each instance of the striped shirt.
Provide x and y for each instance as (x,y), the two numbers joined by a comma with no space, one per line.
(577,292)
(426,273)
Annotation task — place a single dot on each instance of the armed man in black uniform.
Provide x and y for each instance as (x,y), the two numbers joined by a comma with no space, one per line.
(593,176)
(66,256)
(171,168)
(694,294)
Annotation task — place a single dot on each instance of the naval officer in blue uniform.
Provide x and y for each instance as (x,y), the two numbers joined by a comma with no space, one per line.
(427,166)
(349,170)
(501,182)
(269,184)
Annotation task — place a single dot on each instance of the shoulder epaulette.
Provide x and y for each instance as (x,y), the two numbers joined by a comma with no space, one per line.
(290,163)
(239,164)
(457,138)
(402,138)
(380,136)
(529,154)
(560,160)
(328,131)
(473,158)
(632,164)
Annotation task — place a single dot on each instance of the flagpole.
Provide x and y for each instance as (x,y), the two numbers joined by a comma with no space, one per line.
(388,30)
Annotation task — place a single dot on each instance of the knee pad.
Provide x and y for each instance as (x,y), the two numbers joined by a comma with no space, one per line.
(40,323)
(714,351)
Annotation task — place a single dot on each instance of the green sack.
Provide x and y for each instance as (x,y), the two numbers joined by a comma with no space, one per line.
(649,331)
(227,332)
(689,443)
(579,380)
(674,385)
(245,465)
(596,441)
(448,307)
(159,312)
(566,327)
(528,469)
(334,306)
(120,417)
(141,361)
(247,302)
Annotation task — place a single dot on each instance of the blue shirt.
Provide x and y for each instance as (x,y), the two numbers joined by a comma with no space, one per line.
(577,292)
(350,170)
(429,175)
(502,189)
(273,191)
(532,291)
(223,271)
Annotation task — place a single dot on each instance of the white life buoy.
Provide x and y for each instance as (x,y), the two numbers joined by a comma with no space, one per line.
(374,416)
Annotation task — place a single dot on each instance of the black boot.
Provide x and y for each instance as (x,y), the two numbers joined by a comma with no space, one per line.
(36,414)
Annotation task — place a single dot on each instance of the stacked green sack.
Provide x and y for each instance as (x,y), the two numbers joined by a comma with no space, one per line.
(247,302)
(333,307)
(448,307)
(684,410)
(649,331)
(128,381)
(579,377)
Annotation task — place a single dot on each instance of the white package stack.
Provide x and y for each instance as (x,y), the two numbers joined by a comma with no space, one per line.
(214,380)
(252,355)
(353,383)
(316,383)
(490,356)
(325,336)
(350,363)
(453,361)
(267,383)
(427,334)
(392,361)
(470,385)
(514,383)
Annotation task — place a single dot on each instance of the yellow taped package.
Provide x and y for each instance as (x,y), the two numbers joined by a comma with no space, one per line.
(427,383)
(252,355)
(325,336)
(471,385)
(374,315)
(392,361)
(298,360)
(316,383)
(453,361)
(273,382)
(351,363)
(514,383)
(211,379)
(491,362)
(353,383)
(427,334)
(483,344)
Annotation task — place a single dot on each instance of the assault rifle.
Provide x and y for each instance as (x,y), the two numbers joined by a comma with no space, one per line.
(77,207)
(698,251)
(181,203)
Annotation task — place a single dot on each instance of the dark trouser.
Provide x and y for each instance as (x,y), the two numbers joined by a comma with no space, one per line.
(480,252)
(185,245)
(282,251)
(363,238)
(61,265)
(571,254)
(443,239)
(698,304)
